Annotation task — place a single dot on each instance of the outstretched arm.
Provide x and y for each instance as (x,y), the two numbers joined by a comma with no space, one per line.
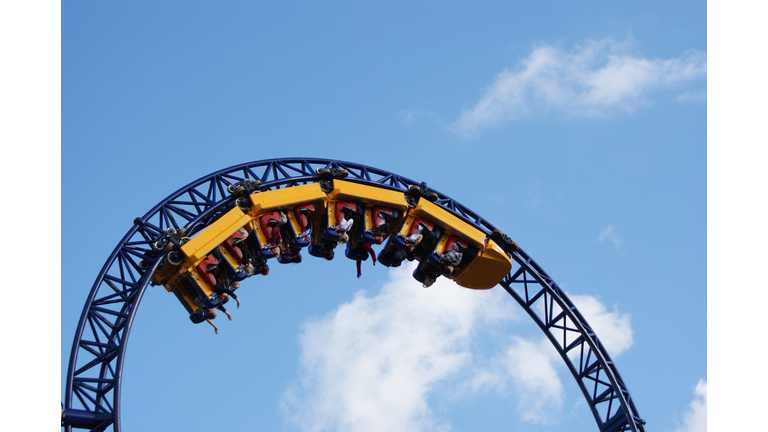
(216,329)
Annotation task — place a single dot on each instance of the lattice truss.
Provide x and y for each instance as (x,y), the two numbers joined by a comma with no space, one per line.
(94,376)
(577,344)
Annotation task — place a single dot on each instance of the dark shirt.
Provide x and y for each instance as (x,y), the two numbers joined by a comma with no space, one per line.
(220,289)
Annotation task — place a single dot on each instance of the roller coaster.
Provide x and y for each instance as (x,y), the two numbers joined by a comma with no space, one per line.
(206,237)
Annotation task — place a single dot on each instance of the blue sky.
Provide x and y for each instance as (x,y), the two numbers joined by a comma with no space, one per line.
(581,133)
(580,130)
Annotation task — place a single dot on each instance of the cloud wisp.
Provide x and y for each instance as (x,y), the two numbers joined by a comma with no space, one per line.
(695,418)
(377,363)
(699,96)
(609,234)
(530,366)
(612,327)
(593,80)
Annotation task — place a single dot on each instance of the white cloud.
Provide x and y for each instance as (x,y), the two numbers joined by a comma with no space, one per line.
(371,364)
(409,116)
(376,362)
(593,80)
(695,418)
(534,194)
(524,371)
(531,366)
(610,235)
(699,96)
(613,328)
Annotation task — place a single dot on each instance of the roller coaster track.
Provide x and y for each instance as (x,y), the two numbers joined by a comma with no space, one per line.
(92,398)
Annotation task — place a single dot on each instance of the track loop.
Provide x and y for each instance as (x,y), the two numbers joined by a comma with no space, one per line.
(95,365)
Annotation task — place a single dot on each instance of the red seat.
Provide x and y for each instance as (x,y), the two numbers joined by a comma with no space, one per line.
(339,209)
(377,219)
(230,245)
(268,217)
(202,268)
(302,217)
(272,233)
(415,225)
(451,241)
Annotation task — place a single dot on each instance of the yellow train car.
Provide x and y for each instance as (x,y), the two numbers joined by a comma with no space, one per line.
(198,247)
(483,265)
(230,262)
(282,221)
(285,212)
(187,298)
(213,235)
(376,212)
(200,277)
(190,280)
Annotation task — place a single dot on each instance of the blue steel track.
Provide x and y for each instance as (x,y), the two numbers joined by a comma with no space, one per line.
(92,398)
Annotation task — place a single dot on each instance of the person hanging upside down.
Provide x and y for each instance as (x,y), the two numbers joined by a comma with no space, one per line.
(272,230)
(414,239)
(223,288)
(366,250)
(451,259)
(224,299)
(344,226)
(381,229)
